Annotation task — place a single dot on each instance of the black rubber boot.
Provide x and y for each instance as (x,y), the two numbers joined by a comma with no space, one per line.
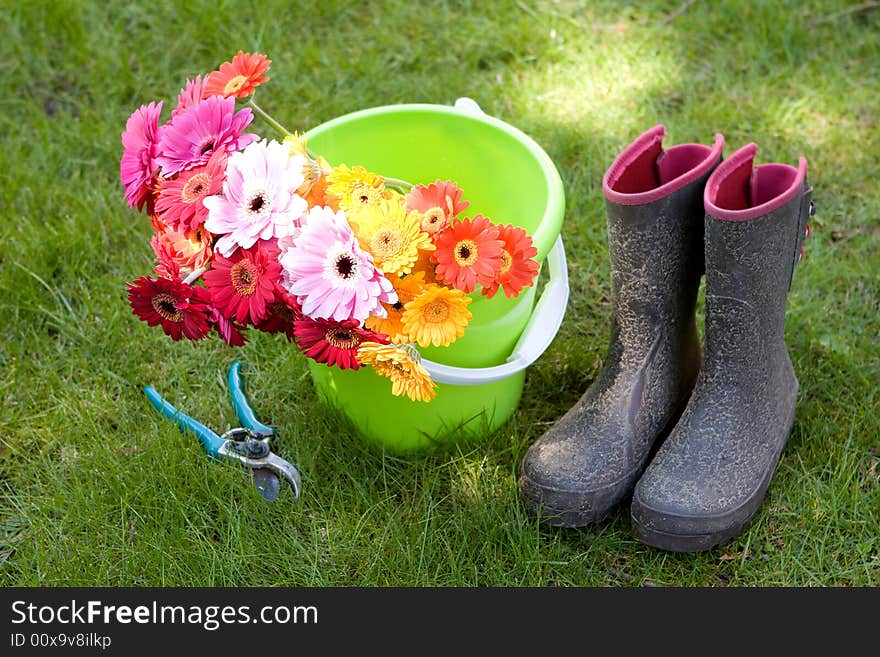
(589,461)
(710,476)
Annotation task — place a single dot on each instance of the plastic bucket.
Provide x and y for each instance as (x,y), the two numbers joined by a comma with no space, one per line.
(508,178)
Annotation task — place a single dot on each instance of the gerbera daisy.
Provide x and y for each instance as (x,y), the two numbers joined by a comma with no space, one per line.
(468,252)
(333,343)
(331,276)
(407,288)
(190,138)
(172,304)
(187,250)
(439,203)
(189,96)
(354,187)
(281,313)
(518,269)
(391,234)
(401,364)
(139,160)
(180,200)
(425,266)
(437,317)
(259,200)
(239,77)
(242,285)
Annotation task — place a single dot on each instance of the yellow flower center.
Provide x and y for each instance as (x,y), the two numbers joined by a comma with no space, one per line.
(506,261)
(196,188)
(436,312)
(363,194)
(433,219)
(386,242)
(465,253)
(234,85)
(165,305)
(245,277)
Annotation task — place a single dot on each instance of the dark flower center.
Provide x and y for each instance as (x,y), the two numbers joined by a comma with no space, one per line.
(245,277)
(346,266)
(208,146)
(398,306)
(257,203)
(342,338)
(166,306)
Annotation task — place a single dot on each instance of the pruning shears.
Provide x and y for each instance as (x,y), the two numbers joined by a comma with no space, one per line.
(247,445)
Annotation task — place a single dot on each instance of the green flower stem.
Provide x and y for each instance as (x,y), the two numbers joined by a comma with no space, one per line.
(398,184)
(280,128)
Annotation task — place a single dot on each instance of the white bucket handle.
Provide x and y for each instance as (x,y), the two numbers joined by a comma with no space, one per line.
(539,332)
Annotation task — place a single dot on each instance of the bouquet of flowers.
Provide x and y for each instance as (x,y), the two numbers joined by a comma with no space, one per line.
(353,267)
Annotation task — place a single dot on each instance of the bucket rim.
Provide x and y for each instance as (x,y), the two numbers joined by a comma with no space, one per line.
(550,226)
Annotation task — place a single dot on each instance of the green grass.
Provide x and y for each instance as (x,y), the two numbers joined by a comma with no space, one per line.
(98,490)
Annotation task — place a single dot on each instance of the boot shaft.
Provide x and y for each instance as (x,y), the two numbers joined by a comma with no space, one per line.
(755,224)
(654,211)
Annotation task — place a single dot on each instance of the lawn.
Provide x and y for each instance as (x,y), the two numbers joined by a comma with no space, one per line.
(96,489)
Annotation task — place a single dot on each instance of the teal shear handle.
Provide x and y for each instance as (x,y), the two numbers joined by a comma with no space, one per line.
(209,439)
(248,444)
(242,407)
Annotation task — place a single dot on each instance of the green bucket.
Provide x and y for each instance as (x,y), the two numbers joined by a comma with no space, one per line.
(508,178)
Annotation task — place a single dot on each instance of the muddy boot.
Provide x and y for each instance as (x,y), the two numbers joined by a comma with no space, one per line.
(590,459)
(710,476)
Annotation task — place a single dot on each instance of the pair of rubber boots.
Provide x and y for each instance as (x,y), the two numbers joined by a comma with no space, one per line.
(720,421)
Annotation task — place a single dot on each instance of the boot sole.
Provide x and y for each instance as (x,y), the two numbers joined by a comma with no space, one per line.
(734,522)
(576,508)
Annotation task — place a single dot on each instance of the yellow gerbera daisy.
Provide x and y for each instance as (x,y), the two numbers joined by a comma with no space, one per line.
(401,364)
(296,142)
(391,235)
(437,317)
(355,187)
(407,288)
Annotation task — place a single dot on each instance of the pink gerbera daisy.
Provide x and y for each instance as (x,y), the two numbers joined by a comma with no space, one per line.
(331,276)
(180,200)
(259,198)
(190,138)
(189,96)
(334,343)
(241,286)
(171,303)
(140,140)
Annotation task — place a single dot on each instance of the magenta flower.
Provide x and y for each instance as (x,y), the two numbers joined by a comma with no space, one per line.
(259,200)
(189,96)
(138,162)
(330,275)
(191,137)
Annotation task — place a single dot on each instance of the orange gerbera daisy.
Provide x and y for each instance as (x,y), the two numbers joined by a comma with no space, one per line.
(401,364)
(407,288)
(518,269)
(439,203)
(437,317)
(239,77)
(468,252)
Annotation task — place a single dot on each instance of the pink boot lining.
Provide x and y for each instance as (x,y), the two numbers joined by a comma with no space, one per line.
(644,172)
(739,191)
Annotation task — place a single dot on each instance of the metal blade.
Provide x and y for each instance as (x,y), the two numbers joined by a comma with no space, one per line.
(266,482)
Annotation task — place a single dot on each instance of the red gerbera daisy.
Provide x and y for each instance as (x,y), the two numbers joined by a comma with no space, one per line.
(244,283)
(180,200)
(468,252)
(281,314)
(438,202)
(334,343)
(239,77)
(171,303)
(518,269)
